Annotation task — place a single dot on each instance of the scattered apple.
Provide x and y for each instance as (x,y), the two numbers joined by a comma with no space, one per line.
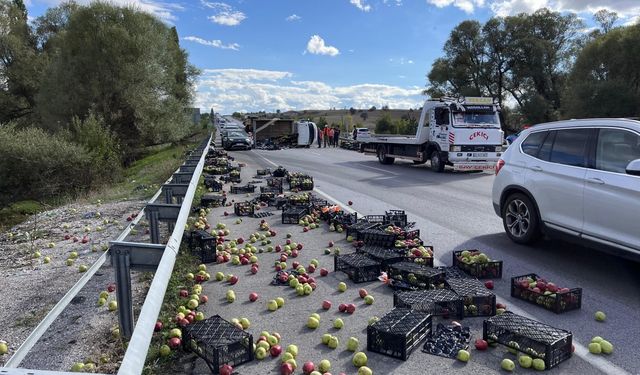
(463,356)
(369,299)
(352,344)
(525,361)
(507,365)
(324,366)
(338,323)
(600,316)
(326,304)
(342,287)
(539,364)
(359,359)
(113,305)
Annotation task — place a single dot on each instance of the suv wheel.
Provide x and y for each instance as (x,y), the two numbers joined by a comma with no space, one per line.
(520,219)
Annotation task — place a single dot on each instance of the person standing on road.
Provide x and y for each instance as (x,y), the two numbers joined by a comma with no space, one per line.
(336,137)
(355,134)
(320,134)
(326,135)
(330,137)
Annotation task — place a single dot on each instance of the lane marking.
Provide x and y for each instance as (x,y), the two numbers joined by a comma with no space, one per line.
(581,351)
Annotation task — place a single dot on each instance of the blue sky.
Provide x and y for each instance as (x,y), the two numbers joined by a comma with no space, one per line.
(304,54)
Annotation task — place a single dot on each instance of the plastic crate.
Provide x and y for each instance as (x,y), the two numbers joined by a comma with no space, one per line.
(437,302)
(263,172)
(266,197)
(557,302)
(489,270)
(280,172)
(244,208)
(242,189)
(477,299)
(230,178)
(292,215)
(395,217)
(539,340)
(278,202)
(359,267)
(299,200)
(213,184)
(215,170)
(212,200)
(271,189)
(376,237)
(301,183)
(420,276)
(218,342)
(275,182)
(355,229)
(453,273)
(398,332)
(203,245)
(318,203)
(343,219)
(388,257)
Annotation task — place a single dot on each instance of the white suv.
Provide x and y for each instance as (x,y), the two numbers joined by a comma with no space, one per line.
(577,177)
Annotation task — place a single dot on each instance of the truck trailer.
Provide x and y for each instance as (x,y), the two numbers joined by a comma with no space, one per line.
(464,133)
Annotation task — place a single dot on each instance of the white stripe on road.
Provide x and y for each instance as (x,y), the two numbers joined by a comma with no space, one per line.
(581,351)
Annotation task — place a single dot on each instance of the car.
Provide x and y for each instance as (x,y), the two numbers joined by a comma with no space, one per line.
(579,179)
(512,137)
(236,140)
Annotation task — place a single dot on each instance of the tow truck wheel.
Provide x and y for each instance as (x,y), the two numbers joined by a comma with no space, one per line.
(382,156)
(436,162)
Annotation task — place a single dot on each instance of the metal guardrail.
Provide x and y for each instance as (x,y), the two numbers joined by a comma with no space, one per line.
(138,256)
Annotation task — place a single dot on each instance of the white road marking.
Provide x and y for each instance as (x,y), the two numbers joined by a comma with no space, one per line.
(581,351)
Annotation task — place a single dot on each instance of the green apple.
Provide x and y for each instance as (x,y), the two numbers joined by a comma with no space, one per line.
(272,305)
(82,268)
(175,332)
(300,290)
(307,289)
(352,344)
(294,282)
(293,349)
(595,348)
(101,301)
(338,323)
(325,338)
(46,260)
(165,350)
(525,361)
(597,339)
(285,357)
(507,365)
(359,359)
(261,352)
(113,306)
(37,254)
(606,346)
(51,245)
(463,355)
(316,315)
(333,342)
(264,344)
(600,316)
(312,322)
(373,320)
(272,340)
(77,367)
(244,322)
(73,255)
(324,366)
(368,299)
(342,287)
(538,364)
(4,348)
(280,302)
(364,370)
(293,363)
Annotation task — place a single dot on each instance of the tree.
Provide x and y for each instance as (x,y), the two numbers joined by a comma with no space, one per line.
(605,80)
(352,111)
(123,65)
(606,19)
(364,116)
(322,122)
(385,125)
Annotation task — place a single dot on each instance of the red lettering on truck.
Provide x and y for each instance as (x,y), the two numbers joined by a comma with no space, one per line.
(477,134)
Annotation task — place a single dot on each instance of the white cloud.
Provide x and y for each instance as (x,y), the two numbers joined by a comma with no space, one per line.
(317,46)
(213,43)
(390,2)
(624,8)
(401,61)
(467,6)
(511,7)
(360,4)
(163,10)
(225,14)
(293,17)
(230,90)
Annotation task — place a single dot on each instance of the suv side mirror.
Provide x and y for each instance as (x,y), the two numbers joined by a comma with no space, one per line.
(633,168)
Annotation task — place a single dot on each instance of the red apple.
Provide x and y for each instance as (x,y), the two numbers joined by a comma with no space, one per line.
(324,272)
(254,270)
(311,268)
(278,267)
(67,237)
(288,242)
(184,293)
(283,258)
(233,280)
(75,239)
(310,280)
(294,253)
(174,342)
(308,367)
(220,259)
(204,299)
(190,318)
(184,322)
(158,326)
(129,218)
(331,243)
(240,241)
(313,286)
(244,261)
(342,307)
(278,248)
(351,308)
(226,213)
(305,229)
(481,344)
(286,369)
(299,247)
(226,370)
(111,287)
(275,350)
(253,297)
(350,203)
(488,284)
(363,293)
(273,233)
(295,265)
(326,304)
(302,279)
(85,239)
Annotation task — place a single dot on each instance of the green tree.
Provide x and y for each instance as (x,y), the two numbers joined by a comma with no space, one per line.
(385,125)
(606,19)
(605,80)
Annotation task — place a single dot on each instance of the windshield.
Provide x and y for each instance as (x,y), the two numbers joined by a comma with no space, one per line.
(236,135)
(475,119)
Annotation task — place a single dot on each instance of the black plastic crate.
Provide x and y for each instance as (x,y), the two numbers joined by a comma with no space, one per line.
(318,203)
(244,208)
(395,217)
(215,170)
(292,215)
(491,269)
(343,219)
(278,202)
(203,245)
(558,302)
(212,184)
(266,197)
(271,189)
(235,189)
(218,342)
(417,275)
(355,229)
(388,256)
(477,299)
(539,340)
(301,183)
(263,172)
(299,200)
(275,182)
(359,267)
(212,200)
(377,237)
(436,302)
(280,172)
(454,273)
(398,332)
(231,178)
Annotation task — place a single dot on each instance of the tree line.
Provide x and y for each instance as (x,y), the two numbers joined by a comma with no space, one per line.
(90,84)
(545,65)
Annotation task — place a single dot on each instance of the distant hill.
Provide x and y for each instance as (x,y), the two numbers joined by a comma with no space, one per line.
(344,116)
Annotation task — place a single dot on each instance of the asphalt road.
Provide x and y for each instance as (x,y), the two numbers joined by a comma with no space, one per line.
(453,211)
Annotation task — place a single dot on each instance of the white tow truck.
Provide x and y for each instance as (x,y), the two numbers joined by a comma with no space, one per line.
(461,132)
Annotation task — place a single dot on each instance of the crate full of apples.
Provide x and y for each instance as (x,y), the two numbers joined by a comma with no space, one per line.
(478,264)
(539,291)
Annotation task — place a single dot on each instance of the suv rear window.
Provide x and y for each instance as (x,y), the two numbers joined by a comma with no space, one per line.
(531,145)
(570,147)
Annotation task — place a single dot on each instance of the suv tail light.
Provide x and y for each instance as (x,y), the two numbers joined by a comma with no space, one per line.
(499,166)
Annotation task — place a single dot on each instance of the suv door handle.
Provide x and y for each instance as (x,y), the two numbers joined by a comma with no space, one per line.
(536,168)
(595,180)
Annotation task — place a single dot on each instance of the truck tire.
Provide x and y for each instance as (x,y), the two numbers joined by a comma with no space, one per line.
(382,156)
(437,164)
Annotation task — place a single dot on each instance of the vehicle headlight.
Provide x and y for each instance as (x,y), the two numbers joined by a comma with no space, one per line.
(456,148)
(498,148)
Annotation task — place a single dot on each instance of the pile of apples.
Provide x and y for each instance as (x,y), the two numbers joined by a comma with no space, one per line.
(201,222)
(300,280)
(103,298)
(420,252)
(473,257)
(338,228)
(309,222)
(408,243)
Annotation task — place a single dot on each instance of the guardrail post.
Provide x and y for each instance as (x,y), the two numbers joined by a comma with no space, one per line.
(121,262)
(154,228)
(187,168)
(181,177)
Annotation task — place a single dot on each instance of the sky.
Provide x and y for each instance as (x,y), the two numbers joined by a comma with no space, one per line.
(319,54)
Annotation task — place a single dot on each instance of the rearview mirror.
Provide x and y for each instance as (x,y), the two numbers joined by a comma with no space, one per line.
(633,168)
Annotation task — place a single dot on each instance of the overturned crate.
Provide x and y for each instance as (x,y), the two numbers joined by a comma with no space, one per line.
(477,299)
(271,189)
(484,268)
(437,302)
(292,215)
(212,200)
(398,333)
(417,275)
(244,208)
(218,342)
(538,340)
(558,300)
(387,256)
(395,217)
(203,245)
(359,267)
(235,189)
